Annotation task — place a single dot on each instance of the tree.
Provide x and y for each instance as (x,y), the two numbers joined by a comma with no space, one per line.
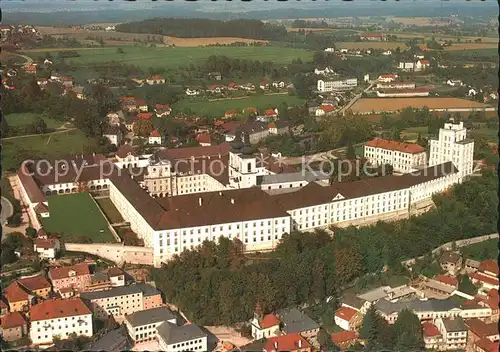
(325,341)
(465,285)
(143,128)
(395,134)
(375,331)
(120,51)
(39,125)
(408,332)
(30,232)
(350,152)
(5,128)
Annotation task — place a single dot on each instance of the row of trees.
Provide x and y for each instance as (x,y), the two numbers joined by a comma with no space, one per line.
(216,284)
(199,27)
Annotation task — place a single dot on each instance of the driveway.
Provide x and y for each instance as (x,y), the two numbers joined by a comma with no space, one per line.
(7,210)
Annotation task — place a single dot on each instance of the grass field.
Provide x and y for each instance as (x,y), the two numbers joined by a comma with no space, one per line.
(174,57)
(377,105)
(490,133)
(371,45)
(28,118)
(109,209)
(42,146)
(411,134)
(218,108)
(76,215)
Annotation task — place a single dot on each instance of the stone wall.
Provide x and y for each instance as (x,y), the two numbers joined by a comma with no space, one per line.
(115,252)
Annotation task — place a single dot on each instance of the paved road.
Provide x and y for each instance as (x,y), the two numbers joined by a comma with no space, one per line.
(28,59)
(7,210)
(353,100)
(40,134)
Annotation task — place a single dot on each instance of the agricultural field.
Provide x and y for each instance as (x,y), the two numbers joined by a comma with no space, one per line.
(195,42)
(49,146)
(219,107)
(173,57)
(28,118)
(419,21)
(371,45)
(76,215)
(377,105)
(472,46)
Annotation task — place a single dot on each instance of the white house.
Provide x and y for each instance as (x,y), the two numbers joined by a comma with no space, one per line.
(192,92)
(454,332)
(61,318)
(472,92)
(141,325)
(155,138)
(47,248)
(114,134)
(345,318)
(326,71)
(330,50)
(404,157)
(156,79)
(387,53)
(407,66)
(278,84)
(421,65)
(264,326)
(340,84)
(454,82)
(388,78)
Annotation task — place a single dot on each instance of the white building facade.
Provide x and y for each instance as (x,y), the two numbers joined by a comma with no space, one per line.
(339,84)
(403,157)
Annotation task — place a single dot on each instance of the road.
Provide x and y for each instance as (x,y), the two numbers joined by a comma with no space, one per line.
(28,59)
(40,134)
(7,210)
(353,100)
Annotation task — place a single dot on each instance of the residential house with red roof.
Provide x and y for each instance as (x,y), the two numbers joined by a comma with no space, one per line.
(485,345)
(60,317)
(155,79)
(128,103)
(37,285)
(348,318)
(162,110)
(344,339)
(215,89)
(447,280)
(264,85)
(421,65)
(145,115)
(155,138)
(141,105)
(479,330)
(18,298)
(47,248)
(14,326)
(325,109)
(232,113)
(232,86)
(76,276)
(30,69)
(433,338)
(204,139)
(404,157)
(287,343)
(264,325)
(487,275)
(388,78)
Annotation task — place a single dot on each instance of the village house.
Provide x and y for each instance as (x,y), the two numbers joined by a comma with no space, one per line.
(348,318)
(433,339)
(421,65)
(18,298)
(31,69)
(115,118)
(114,134)
(454,332)
(175,338)
(264,85)
(387,53)
(66,81)
(278,84)
(155,138)
(162,110)
(141,105)
(215,89)
(296,322)
(60,318)
(76,276)
(344,339)
(407,66)
(37,285)
(47,248)
(292,342)
(324,72)
(232,86)
(129,122)
(486,275)
(232,113)
(247,87)
(156,79)
(264,326)
(14,326)
(192,92)
(278,127)
(139,81)
(204,139)
(128,103)
(471,265)
(454,82)
(478,330)
(215,75)
(388,78)
(324,110)
(451,262)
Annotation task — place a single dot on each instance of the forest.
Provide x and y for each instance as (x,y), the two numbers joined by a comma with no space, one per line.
(205,28)
(216,284)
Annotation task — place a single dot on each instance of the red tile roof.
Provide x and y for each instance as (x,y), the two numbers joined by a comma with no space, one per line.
(196,152)
(232,85)
(395,145)
(231,126)
(489,265)
(487,345)
(156,77)
(45,243)
(140,102)
(392,75)
(373,35)
(484,278)
(271,124)
(162,107)
(61,308)
(15,293)
(12,320)
(345,313)
(204,138)
(129,99)
(327,108)
(344,336)
(449,280)
(35,282)
(430,330)
(424,62)
(482,329)
(269,320)
(270,112)
(155,133)
(144,115)
(63,272)
(288,342)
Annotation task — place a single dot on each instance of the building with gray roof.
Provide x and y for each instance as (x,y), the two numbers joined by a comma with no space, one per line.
(295,321)
(151,316)
(112,341)
(190,337)
(424,309)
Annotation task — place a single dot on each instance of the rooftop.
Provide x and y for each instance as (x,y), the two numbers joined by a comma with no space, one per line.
(375,294)
(480,328)
(295,321)
(171,333)
(151,316)
(64,271)
(450,257)
(119,291)
(430,305)
(61,308)
(454,325)
(269,320)
(112,341)
(12,320)
(430,330)
(33,283)
(288,342)
(345,313)
(489,265)
(344,336)
(395,146)
(448,280)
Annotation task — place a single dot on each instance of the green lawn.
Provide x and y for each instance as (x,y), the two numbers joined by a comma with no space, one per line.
(411,134)
(145,58)
(481,251)
(28,118)
(490,133)
(109,209)
(218,108)
(52,146)
(76,215)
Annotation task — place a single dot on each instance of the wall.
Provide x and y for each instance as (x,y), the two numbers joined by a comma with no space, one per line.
(117,253)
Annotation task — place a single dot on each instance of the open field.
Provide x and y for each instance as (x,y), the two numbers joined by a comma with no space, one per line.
(109,209)
(440,37)
(369,105)
(419,21)
(174,57)
(310,29)
(76,215)
(219,107)
(371,45)
(43,146)
(471,46)
(194,42)
(28,118)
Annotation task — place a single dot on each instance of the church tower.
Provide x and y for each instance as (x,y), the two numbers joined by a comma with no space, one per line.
(242,162)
